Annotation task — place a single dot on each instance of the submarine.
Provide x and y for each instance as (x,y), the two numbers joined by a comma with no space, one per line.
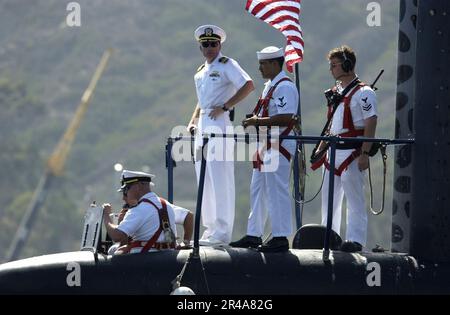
(417,263)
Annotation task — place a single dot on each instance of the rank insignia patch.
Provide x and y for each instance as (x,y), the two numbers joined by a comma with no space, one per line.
(366,106)
(282,102)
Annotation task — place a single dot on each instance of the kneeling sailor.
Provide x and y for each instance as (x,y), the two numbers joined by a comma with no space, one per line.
(150,224)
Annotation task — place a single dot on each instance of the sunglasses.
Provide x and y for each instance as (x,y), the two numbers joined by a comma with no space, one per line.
(126,189)
(212,44)
(332,65)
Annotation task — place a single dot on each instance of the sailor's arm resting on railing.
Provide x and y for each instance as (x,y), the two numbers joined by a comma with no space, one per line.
(370,125)
(115,234)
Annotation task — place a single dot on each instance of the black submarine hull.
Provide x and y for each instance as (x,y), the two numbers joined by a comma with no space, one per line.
(224,271)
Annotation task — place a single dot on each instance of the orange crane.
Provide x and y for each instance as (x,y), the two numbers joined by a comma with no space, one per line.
(55,164)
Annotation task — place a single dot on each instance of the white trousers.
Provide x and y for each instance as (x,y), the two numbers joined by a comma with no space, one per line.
(351,184)
(270,194)
(218,200)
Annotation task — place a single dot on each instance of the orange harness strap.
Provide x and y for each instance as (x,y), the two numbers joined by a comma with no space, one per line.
(163,223)
(352,132)
(338,171)
(264,105)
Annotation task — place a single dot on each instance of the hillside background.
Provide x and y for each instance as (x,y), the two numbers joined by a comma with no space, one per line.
(146,90)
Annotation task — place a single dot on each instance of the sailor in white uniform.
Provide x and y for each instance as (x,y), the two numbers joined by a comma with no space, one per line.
(141,226)
(355,116)
(269,190)
(220,84)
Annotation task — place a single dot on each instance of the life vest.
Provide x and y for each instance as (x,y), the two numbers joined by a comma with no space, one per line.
(263,104)
(164,225)
(351,133)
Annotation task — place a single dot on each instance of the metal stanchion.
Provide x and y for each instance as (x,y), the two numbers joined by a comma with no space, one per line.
(201,183)
(169,165)
(326,249)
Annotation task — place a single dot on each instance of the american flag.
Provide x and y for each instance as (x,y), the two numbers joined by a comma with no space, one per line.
(285,17)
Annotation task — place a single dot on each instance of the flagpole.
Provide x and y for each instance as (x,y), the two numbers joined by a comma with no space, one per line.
(299,195)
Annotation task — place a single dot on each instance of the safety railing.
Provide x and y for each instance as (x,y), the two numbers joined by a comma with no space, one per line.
(333,140)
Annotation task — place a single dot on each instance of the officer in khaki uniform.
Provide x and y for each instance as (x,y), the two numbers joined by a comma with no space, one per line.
(220,84)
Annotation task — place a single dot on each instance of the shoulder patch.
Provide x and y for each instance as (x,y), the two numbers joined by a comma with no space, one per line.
(201,67)
(366,106)
(223,59)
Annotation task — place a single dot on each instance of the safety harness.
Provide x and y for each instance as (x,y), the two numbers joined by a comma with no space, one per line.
(164,226)
(263,104)
(351,133)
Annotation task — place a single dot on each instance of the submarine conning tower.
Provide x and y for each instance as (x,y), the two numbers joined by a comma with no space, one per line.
(421,209)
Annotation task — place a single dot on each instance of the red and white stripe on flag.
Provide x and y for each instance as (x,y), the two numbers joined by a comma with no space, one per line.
(285,17)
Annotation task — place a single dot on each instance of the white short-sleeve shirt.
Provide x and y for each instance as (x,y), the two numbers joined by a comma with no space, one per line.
(218,81)
(284,101)
(362,106)
(141,222)
(285,97)
(180,214)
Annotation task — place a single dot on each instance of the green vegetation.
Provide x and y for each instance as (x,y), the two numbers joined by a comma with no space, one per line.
(146,90)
